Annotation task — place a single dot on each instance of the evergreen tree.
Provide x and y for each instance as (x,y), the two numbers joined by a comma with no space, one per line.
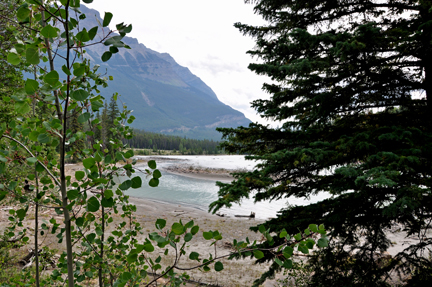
(352,92)
(109,125)
(105,126)
(10,76)
(76,143)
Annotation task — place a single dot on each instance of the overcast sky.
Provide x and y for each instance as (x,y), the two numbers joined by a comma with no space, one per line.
(198,34)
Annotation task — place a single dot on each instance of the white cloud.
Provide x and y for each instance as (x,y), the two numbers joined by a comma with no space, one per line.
(198,34)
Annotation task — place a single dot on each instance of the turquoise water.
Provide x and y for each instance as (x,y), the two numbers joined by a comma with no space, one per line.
(199,193)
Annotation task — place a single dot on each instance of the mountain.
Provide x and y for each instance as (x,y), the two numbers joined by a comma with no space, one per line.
(164,96)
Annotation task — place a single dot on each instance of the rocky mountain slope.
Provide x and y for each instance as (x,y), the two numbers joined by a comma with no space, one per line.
(164,96)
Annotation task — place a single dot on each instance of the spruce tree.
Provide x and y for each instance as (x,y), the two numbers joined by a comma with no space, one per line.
(351,91)
(109,124)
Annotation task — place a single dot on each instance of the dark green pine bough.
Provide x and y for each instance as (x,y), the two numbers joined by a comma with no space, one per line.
(352,91)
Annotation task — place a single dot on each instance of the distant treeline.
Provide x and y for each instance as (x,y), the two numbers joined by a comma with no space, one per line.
(155,141)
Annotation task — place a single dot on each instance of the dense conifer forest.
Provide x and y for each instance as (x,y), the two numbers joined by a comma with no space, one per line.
(149,140)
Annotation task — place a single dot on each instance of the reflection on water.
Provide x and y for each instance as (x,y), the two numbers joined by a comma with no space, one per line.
(199,193)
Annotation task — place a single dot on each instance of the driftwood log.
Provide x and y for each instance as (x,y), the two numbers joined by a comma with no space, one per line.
(28,260)
(252,215)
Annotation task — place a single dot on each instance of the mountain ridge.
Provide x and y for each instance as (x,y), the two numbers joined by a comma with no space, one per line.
(165,97)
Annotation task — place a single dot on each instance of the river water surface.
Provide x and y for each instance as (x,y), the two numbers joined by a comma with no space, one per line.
(199,193)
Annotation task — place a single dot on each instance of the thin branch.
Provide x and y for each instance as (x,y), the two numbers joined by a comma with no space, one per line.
(25,147)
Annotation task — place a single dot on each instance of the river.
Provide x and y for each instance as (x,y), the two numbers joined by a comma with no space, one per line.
(199,193)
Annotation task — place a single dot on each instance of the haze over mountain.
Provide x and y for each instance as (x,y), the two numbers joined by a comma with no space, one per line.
(164,96)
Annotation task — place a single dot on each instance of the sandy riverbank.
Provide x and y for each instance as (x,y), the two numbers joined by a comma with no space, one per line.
(149,211)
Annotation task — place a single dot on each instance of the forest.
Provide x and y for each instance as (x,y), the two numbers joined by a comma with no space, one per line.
(185,146)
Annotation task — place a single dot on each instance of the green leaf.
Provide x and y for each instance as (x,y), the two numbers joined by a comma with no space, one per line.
(208,235)
(83,36)
(107,19)
(188,237)
(303,249)
(23,13)
(93,32)
(32,160)
(119,156)
(132,257)
(108,193)
(31,86)
(83,117)
(89,162)
(3,194)
(194,256)
(189,224)
(289,251)
(177,228)
(22,107)
(152,164)
(49,31)
(288,264)
(258,254)
(106,56)
(66,70)
(157,174)
(89,274)
(79,71)
(298,237)
(33,135)
(79,175)
(21,213)
(72,194)
(278,261)
(126,276)
(125,185)
(148,247)
(13,59)
(107,202)
(307,231)
(310,244)
(93,204)
(136,182)
(39,167)
(79,221)
(322,242)
(51,78)
(98,156)
(283,234)
(262,228)
(313,227)
(113,49)
(91,237)
(43,138)
(32,56)
(154,182)
(108,159)
(195,229)
(160,223)
(87,1)
(79,95)
(219,266)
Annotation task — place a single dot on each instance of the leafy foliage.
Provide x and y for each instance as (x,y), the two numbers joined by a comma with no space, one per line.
(352,93)
(88,200)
